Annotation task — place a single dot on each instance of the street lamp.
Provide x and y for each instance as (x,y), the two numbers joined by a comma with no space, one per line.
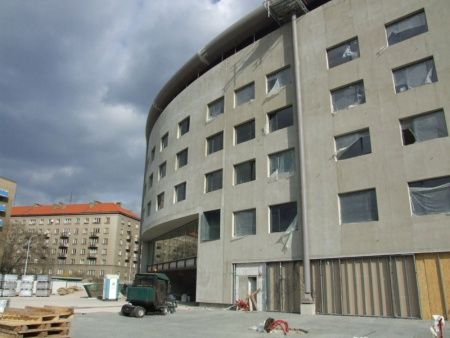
(28,252)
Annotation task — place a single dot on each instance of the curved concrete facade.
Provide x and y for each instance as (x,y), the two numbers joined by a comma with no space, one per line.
(388,171)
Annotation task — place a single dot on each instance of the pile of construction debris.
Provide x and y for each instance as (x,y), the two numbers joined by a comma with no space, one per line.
(70,289)
(48,321)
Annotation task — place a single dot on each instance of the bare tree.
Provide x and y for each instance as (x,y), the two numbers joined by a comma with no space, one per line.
(14,246)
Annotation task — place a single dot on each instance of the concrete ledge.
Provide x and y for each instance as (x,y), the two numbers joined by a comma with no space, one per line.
(308,309)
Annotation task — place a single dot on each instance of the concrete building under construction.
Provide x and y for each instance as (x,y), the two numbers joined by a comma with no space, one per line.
(303,155)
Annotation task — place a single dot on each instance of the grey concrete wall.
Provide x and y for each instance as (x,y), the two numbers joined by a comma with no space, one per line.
(387,169)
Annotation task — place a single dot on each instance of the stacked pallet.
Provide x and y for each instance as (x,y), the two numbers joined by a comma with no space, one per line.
(26,286)
(43,286)
(9,285)
(49,321)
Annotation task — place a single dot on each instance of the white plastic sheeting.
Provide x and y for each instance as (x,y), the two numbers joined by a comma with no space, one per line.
(406,28)
(348,96)
(352,145)
(245,222)
(245,94)
(278,80)
(359,206)
(424,127)
(286,238)
(282,163)
(345,52)
(415,75)
(430,196)
(216,108)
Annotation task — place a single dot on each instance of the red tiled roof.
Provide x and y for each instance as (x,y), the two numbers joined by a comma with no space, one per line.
(72,209)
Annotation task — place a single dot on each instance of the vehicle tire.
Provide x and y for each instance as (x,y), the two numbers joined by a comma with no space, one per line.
(139,312)
(126,310)
(164,311)
(172,310)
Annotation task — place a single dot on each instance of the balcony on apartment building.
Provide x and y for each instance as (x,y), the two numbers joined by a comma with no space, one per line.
(62,254)
(93,234)
(2,208)
(64,234)
(63,244)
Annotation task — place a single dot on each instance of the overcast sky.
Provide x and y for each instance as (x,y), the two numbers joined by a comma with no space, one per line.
(77,79)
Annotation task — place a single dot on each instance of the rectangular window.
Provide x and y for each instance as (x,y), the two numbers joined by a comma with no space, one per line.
(162,170)
(342,53)
(214,143)
(182,158)
(164,141)
(406,28)
(431,196)
(277,80)
(149,208)
(245,131)
(152,155)
(358,206)
(180,192)
(211,225)
(183,126)
(150,181)
(348,96)
(245,222)
(244,94)
(213,181)
(280,119)
(415,75)
(216,108)
(244,172)
(283,216)
(282,163)
(423,127)
(160,201)
(353,144)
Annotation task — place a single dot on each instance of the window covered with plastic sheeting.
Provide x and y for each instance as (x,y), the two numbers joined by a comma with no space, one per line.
(344,52)
(348,96)
(160,200)
(278,80)
(162,170)
(213,181)
(431,196)
(244,172)
(180,192)
(244,94)
(280,119)
(358,206)
(182,158)
(424,127)
(164,141)
(245,131)
(406,28)
(415,75)
(216,108)
(245,222)
(211,225)
(214,143)
(183,126)
(352,145)
(282,163)
(282,216)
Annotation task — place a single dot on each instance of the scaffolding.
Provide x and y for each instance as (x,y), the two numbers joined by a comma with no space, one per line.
(282,10)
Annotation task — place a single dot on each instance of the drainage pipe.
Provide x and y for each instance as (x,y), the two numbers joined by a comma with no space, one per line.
(302,208)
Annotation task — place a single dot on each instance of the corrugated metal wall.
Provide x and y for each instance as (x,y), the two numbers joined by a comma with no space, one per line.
(370,286)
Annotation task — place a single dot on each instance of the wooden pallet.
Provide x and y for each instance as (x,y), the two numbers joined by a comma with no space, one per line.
(49,321)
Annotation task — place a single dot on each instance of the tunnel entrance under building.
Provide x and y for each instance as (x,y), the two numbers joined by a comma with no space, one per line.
(175,254)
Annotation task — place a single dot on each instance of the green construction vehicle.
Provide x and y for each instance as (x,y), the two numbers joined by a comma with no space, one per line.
(149,293)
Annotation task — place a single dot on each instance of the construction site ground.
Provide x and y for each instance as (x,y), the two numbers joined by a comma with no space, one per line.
(97,318)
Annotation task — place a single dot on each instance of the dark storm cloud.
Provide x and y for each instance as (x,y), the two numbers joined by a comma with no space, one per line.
(76,82)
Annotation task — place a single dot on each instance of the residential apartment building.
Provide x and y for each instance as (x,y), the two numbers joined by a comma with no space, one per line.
(84,240)
(7,194)
(303,155)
